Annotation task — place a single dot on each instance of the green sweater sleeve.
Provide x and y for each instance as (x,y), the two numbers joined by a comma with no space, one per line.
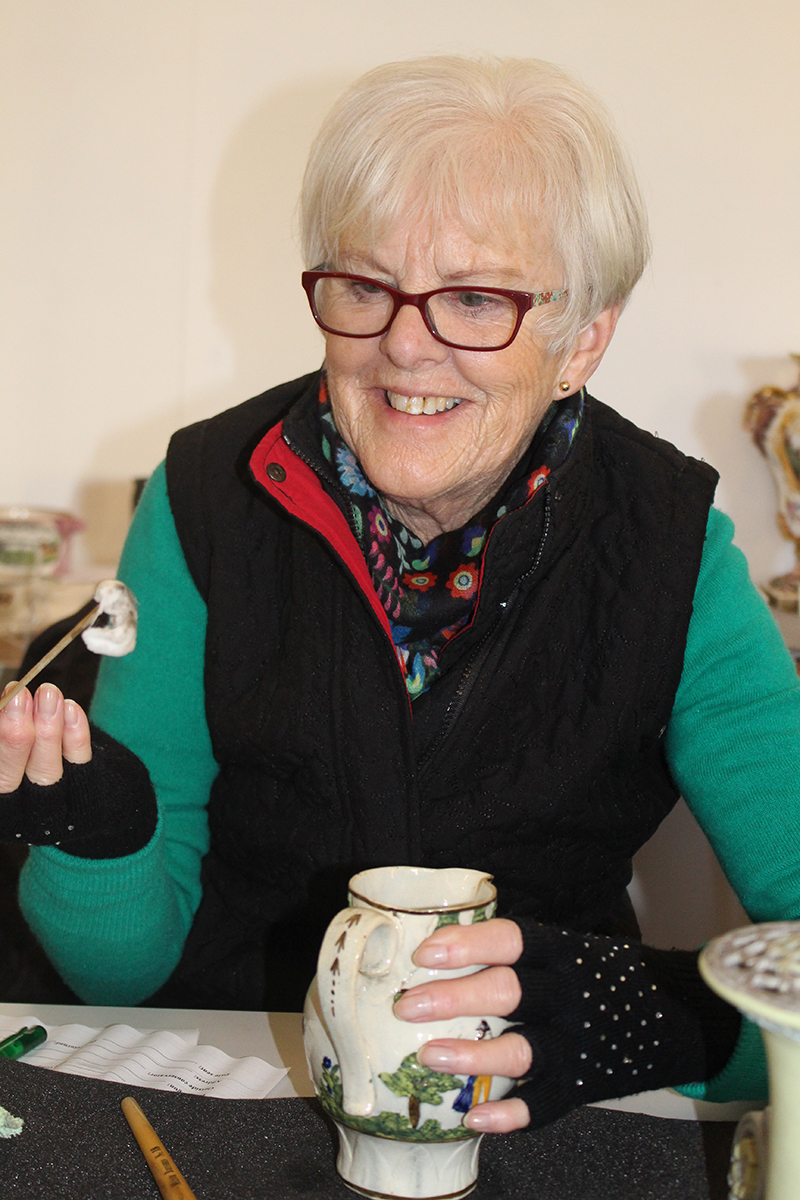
(115,928)
(733,746)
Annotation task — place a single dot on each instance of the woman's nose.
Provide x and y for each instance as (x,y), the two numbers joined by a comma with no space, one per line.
(408,342)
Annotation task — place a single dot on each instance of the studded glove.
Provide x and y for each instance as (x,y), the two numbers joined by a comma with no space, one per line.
(105,808)
(608,1017)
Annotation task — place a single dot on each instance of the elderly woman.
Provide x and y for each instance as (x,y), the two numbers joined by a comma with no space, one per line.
(432,604)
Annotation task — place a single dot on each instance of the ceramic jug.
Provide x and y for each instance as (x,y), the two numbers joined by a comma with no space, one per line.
(399,1123)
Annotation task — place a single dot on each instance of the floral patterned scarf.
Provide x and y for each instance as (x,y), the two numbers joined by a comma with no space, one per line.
(429,591)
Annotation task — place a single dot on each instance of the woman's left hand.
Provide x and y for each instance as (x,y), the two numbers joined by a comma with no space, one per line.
(493,992)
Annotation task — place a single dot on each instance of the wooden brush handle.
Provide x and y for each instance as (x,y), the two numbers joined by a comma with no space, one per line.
(170,1182)
(84,623)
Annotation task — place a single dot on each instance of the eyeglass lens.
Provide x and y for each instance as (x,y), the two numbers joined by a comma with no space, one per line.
(464,317)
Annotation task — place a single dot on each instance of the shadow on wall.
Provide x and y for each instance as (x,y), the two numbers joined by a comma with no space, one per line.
(679,892)
(256,262)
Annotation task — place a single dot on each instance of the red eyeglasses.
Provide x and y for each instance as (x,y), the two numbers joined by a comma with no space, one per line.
(462,317)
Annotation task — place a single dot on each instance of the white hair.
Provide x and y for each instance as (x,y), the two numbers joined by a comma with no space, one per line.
(499,144)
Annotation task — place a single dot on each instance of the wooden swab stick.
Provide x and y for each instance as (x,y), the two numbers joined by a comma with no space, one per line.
(117,638)
(170,1182)
(76,630)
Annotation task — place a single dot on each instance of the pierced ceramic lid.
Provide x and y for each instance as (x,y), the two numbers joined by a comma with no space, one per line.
(757,969)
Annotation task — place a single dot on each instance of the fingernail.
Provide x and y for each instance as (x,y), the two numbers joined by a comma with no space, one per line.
(16,707)
(430,956)
(438,1056)
(478,1120)
(70,713)
(47,700)
(414,1007)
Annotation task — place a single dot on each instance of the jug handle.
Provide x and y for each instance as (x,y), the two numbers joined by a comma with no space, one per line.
(341,961)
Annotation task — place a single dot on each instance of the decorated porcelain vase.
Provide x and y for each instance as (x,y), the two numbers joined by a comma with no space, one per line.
(400,1125)
(757,969)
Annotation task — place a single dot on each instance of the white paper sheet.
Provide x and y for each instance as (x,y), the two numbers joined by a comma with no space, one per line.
(163,1059)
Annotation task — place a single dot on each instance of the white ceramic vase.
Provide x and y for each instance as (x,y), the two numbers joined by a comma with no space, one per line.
(757,969)
(400,1124)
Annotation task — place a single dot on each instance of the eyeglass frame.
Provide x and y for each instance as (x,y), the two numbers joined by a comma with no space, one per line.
(524,302)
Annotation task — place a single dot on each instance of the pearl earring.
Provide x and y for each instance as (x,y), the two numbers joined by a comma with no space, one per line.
(565,385)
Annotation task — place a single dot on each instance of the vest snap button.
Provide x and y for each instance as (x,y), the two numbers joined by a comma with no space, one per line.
(276,472)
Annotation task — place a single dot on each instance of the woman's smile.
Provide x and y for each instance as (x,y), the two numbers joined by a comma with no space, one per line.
(421,405)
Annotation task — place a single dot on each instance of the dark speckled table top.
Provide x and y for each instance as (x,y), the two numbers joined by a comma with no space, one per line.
(76,1145)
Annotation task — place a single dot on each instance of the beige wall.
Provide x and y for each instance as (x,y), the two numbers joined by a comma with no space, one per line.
(151,152)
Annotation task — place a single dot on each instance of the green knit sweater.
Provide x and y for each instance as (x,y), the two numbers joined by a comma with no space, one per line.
(116,928)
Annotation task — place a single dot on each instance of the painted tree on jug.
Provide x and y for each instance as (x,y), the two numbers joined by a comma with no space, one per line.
(420,1084)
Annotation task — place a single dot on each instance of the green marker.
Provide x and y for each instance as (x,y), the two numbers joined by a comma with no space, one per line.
(22,1041)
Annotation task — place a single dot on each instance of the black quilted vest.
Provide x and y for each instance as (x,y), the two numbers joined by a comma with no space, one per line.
(537,755)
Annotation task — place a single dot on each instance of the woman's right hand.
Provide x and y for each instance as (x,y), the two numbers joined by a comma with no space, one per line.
(37,734)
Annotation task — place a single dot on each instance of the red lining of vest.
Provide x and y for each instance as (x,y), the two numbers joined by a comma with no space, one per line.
(308,501)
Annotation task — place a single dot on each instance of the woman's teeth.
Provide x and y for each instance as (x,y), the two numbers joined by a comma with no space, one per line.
(418,405)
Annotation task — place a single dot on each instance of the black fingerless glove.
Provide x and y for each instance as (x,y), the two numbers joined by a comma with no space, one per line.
(105,808)
(608,1017)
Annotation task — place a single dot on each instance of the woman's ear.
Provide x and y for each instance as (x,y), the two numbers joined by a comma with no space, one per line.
(589,348)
